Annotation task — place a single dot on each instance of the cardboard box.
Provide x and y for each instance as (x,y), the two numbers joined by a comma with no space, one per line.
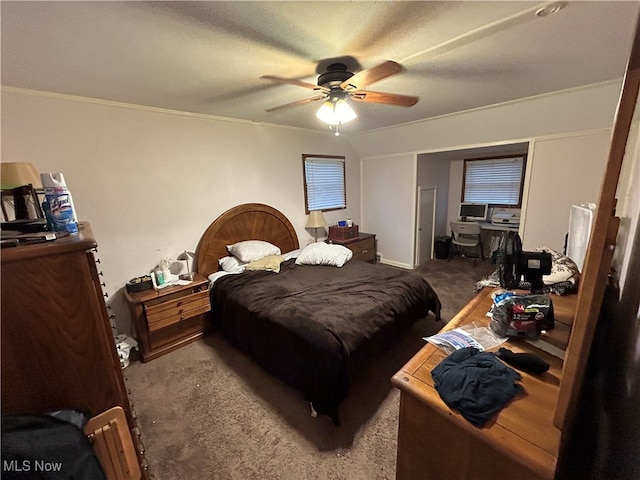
(340,234)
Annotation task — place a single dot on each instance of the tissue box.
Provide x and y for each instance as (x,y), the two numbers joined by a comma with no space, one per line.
(340,234)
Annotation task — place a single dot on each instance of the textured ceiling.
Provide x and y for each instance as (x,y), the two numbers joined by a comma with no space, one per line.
(207,57)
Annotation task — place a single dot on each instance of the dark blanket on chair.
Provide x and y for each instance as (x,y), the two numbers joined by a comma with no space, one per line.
(315,326)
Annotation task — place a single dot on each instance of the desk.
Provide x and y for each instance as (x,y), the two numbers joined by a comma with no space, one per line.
(498,227)
(436,442)
(491,233)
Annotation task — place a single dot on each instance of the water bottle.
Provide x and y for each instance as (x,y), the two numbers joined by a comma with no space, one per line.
(59,203)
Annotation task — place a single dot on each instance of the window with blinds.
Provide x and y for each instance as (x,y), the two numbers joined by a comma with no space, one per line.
(324,182)
(497,181)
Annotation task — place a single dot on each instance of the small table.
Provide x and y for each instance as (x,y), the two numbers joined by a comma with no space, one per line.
(170,317)
(363,246)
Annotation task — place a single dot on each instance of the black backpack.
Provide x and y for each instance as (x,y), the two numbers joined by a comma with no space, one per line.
(48,447)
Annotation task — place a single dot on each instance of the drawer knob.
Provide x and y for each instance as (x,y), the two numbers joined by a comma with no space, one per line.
(179,303)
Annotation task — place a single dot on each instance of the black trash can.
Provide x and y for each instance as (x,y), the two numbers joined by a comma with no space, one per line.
(441,248)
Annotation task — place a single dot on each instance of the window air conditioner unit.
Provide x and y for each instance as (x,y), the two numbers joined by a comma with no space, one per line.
(580,225)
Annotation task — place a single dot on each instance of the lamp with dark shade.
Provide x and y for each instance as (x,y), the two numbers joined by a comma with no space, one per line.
(316,220)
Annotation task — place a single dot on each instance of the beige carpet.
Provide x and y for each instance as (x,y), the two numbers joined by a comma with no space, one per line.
(208,412)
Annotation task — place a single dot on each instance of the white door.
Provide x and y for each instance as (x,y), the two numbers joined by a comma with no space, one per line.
(426,222)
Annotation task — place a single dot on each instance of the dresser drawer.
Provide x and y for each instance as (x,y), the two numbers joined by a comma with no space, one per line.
(176,310)
(364,250)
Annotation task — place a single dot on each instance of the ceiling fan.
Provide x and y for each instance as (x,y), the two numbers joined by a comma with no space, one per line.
(337,85)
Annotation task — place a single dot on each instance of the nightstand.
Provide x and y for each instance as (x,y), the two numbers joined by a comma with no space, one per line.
(363,247)
(168,318)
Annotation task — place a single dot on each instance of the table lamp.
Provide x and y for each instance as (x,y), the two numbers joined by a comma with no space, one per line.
(189,259)
(20,181)
(316,220)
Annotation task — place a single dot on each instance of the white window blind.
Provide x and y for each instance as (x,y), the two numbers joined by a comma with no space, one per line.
(324,182)
(495,181)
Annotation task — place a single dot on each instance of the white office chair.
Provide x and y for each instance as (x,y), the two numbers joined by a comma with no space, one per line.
(465,236)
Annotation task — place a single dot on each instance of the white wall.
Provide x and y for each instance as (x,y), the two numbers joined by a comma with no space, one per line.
(151,181)
(564,171)
(544,118)
(456,171)
(388,206)
(583,109)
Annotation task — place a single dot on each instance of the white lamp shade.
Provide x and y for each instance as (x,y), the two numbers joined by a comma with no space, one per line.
(188,258)
(344,112)
(316,219)
(326,114)
(336,112)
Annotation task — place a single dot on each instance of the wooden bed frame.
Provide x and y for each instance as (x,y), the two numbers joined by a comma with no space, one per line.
(316,353)
(250,221)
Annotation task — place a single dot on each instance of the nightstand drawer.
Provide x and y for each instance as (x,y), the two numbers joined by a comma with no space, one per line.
(167,313)
(364,250)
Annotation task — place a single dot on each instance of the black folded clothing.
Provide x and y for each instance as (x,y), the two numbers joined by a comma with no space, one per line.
(527,362)
(476,384)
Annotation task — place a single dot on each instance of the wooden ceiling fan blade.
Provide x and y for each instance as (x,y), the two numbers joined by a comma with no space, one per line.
(297,103)
(368,76)
(384,98)
(292,81)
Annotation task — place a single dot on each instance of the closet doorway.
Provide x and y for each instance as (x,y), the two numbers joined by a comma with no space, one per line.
(426,224)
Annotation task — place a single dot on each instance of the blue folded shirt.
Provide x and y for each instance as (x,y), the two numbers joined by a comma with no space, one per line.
(476,384)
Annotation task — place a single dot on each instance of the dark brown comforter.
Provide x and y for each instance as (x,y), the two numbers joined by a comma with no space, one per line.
(314,326)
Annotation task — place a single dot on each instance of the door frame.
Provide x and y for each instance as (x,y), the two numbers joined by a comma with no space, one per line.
(416,257)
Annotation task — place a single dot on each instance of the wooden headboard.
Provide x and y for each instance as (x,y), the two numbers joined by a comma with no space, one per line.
(250,221)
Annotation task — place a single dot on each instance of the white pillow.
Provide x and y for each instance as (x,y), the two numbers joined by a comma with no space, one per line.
(321,253)
(231,264)
(252,250)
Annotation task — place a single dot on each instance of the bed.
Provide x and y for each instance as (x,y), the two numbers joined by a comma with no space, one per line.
(311,326)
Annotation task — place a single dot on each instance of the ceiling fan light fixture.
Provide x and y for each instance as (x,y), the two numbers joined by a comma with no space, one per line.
(550,9)
(336,111)
(344,112)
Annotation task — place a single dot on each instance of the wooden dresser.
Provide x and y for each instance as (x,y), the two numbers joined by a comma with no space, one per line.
(436,442)
(363,247)
(58,350)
